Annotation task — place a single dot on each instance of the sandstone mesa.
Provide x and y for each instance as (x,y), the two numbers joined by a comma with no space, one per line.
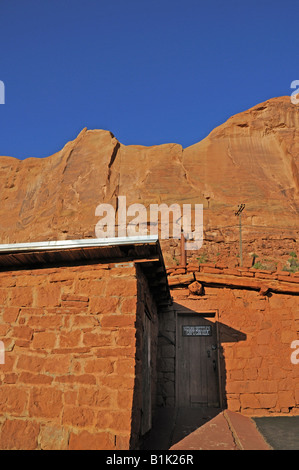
(252,158)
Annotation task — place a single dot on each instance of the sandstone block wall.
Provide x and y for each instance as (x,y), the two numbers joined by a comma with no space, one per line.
(69,376)
(166,354)
(258,319)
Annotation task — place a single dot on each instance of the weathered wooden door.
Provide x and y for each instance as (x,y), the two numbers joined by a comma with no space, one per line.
(197,362)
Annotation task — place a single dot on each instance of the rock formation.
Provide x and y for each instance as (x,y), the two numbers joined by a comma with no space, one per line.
(253,158)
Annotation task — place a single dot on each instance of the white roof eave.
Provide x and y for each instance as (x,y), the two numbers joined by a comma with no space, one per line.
(82,243)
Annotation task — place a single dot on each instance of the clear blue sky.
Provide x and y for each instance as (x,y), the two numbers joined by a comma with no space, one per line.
(150,71)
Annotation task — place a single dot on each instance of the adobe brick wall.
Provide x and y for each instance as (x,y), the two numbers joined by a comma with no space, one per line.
(69,374)
(258,318)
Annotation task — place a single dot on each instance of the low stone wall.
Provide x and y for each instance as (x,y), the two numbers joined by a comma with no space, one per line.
(257,276)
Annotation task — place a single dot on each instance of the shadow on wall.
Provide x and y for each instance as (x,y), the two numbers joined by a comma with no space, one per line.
(173,423)
(226,335)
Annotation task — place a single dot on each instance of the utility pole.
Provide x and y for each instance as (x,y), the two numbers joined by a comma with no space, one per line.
(183,249)
(241,207)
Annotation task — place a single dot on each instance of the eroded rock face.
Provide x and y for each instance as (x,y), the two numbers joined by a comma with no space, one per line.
(253,158)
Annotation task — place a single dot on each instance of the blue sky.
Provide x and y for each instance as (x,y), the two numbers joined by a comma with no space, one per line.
(150,71)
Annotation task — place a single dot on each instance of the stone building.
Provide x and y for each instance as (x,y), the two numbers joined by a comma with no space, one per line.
(80,327)
(98,335)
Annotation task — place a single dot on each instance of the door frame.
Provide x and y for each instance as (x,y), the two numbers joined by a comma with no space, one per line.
(200,314)
(146,407)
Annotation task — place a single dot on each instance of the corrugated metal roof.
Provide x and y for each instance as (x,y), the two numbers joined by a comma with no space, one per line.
(145,250)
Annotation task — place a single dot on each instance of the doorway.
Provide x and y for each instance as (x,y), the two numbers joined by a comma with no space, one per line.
(197,362)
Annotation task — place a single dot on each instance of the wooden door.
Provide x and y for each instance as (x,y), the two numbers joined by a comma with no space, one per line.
(197,362)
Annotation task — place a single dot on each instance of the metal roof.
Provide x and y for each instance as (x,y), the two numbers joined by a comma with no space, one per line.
(144,250)
(81,243)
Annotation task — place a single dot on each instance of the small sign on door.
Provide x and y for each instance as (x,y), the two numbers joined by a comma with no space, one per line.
(198,330)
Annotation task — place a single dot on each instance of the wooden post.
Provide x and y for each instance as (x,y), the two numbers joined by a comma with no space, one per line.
(240,239)
(241,207)
(183,251)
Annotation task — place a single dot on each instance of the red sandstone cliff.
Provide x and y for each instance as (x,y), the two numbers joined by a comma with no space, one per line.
(253,158)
